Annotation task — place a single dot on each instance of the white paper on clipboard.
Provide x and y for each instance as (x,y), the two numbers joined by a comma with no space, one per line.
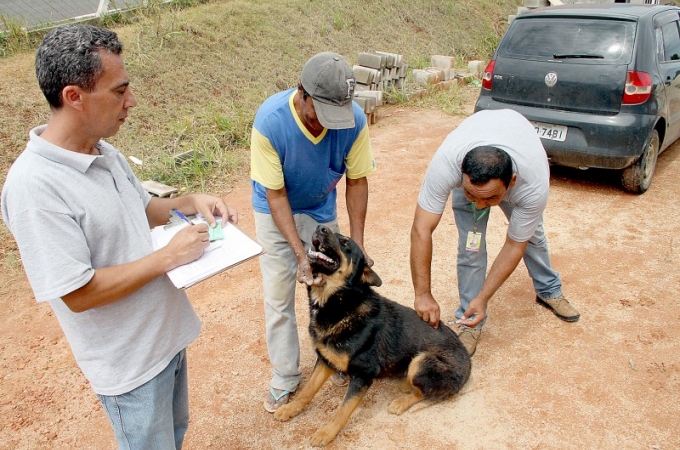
(235,248)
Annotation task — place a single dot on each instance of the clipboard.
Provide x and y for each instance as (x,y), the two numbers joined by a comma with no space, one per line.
(220,255)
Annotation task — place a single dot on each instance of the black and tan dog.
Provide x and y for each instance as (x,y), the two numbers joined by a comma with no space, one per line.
(359,332)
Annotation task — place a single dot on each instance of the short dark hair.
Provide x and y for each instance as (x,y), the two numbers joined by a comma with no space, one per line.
(69,55)
(485,163)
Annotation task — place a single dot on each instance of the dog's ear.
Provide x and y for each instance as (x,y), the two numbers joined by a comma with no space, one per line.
(371,278)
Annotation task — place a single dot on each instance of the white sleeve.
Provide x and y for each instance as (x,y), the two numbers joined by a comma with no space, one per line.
(442,176)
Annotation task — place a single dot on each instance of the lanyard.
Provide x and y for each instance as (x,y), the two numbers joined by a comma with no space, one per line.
(476,217)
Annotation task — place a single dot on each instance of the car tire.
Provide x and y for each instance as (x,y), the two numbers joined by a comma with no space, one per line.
(638,177)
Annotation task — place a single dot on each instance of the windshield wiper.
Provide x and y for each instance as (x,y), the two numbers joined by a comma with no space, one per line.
(577,55)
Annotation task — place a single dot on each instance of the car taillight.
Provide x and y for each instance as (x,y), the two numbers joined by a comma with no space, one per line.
(487,78)
(638,88)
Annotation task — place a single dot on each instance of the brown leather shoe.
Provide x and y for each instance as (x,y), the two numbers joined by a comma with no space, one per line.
(561,307)
(468,336)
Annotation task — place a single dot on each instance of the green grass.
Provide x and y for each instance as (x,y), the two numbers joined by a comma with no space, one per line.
(15,38)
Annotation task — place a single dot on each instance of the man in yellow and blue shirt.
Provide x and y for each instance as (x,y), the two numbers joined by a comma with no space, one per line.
(304,140)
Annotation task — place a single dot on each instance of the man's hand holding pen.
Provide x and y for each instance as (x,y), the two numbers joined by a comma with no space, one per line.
(190,242)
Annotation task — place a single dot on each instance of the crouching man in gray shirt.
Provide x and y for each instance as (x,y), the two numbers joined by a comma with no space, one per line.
(81,220)
(492,158)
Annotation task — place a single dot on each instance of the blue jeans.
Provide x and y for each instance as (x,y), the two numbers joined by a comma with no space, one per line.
(279,276)
(471,266)
(154,416)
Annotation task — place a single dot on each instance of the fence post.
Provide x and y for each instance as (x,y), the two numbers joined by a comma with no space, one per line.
(103,8)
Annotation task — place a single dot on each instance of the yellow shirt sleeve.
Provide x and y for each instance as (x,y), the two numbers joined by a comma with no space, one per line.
(265,164)
(360,161)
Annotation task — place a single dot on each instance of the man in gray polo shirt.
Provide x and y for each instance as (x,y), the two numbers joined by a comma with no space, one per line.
(82,224)
(492,158)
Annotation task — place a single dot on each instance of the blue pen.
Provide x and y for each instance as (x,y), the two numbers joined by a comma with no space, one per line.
(181,216)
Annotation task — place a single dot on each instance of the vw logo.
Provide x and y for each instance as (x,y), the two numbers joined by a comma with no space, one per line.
(551,79)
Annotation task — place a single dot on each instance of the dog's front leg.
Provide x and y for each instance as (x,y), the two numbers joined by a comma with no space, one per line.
(318,378)
(355,392)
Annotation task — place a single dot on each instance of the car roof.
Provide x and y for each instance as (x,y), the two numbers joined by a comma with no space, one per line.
(605,10)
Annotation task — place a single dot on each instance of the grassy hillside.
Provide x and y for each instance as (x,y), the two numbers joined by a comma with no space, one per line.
(200,73)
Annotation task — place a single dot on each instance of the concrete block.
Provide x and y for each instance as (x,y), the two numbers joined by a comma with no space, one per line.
(390,59)
(443,62)
(466,77)
(449,74)
(360,88)
(425,76)
(192,156)
(522,9)
(364,75)
(370,105)
(403,71)
(441,73)
(511,18)
(377,95)
(367,103)
(476,67)
(159,189)
(371,60)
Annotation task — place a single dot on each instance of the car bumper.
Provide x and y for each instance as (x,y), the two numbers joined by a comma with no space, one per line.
(606,142)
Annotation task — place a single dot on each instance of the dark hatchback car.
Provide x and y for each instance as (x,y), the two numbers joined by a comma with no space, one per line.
(600,83)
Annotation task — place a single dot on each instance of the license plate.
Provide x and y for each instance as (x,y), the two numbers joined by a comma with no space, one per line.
(550,131)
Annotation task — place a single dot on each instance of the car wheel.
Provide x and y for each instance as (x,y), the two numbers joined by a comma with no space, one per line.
(638,177)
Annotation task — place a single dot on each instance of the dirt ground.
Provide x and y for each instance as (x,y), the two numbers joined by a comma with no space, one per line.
(609,381)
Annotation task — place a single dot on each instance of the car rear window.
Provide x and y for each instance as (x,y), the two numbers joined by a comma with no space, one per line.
(581,39)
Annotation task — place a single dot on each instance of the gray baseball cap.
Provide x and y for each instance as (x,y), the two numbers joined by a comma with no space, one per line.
(328,78)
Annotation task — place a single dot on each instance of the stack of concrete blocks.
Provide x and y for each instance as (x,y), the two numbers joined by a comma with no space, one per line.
(441,73)
(376,73)
(533,4)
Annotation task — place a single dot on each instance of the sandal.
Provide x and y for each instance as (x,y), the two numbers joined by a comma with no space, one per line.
(275,398)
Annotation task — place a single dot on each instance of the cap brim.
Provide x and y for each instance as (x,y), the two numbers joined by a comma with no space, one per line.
(334,117)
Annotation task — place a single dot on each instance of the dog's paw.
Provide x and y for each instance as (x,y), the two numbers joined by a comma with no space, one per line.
(400,405)
(287,412)
(322,437)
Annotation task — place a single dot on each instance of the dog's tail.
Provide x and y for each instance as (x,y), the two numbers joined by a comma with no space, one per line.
(439,374)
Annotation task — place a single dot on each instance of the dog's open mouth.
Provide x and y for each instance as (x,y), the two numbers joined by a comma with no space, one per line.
(322,257)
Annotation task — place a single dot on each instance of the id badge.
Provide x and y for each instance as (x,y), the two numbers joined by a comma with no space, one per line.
(474,241)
